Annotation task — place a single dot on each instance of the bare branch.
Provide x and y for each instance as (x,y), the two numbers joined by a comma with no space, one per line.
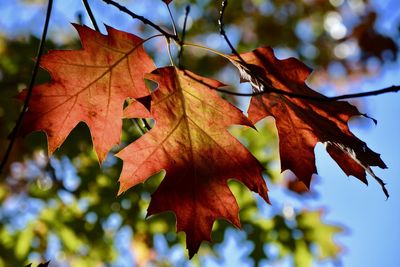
(391,89)
(187,10)
(14,133)
(142,19)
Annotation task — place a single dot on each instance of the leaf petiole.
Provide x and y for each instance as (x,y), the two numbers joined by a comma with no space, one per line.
(207,49)
(169,51)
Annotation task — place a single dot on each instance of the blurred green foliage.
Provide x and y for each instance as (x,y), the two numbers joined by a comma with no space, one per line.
(67,205)
(338,38)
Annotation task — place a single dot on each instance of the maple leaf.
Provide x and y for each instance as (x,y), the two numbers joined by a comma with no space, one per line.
(302,123)
(191,143)
(167,1)
(89,85)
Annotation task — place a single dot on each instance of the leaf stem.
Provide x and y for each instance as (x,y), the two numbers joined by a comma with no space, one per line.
(207,49)
(91,16)
(169,52)
(18,124)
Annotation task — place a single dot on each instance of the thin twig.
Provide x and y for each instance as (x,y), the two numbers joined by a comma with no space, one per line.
(391,89)
(146,124)
(14,133)
(91,16)
(172,19)
(322,98)
(138,127)
(187,10)
(221,24)
(142,19)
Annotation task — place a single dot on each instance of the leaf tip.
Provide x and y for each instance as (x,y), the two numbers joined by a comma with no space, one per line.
(380,182)
(79,27)
(266,198)
(167,2)
(368,117)
(191,253)
(100,153)
(110,30)
(120,191)
(385,191)
(193,248)
(122,187)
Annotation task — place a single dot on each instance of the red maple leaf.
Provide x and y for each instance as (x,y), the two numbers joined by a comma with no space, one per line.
(89,85)
(191,143)
(302,123)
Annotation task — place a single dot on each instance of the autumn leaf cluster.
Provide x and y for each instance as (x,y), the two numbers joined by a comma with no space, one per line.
(105,82)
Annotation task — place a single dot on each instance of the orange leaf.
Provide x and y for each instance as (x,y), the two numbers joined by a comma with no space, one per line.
(301,123)
(190,141)
(89,85)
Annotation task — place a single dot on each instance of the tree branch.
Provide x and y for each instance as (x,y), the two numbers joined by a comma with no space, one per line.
(270,88)
(14,133)
(142,19)
(391,89)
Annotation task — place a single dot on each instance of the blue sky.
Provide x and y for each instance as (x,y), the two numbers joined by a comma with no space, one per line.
(373,223)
